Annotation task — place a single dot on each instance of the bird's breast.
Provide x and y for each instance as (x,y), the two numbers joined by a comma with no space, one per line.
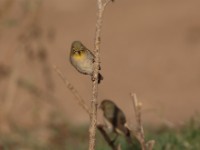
(83,63)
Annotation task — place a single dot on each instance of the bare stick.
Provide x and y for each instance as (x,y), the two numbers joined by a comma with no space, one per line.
(140,131)
(73,90)
(93,117)
(150,144)
(106,137)
(119,147)
(84,106)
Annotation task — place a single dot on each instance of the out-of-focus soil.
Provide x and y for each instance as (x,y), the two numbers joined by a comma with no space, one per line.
(150,48)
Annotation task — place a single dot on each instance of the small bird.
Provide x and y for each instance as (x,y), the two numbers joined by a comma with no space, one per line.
(83,59)
(114,117)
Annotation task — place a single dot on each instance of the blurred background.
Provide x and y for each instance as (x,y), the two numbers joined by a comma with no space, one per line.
(150,48)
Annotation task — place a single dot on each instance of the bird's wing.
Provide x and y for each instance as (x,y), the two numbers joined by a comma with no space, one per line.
(122,118)
(109,125)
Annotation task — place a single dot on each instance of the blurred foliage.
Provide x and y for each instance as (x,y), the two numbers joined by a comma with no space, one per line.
(60,135)
(184,138)
(32,38)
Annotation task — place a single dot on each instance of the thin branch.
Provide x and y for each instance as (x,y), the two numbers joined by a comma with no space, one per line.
(93,118)
(73,90)
(85,107)
(150,144)
(119,147)
(107,138)
(140,131)
(137,107)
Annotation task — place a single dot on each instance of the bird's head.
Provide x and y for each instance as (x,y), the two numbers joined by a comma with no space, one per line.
(77,47)
(107,105)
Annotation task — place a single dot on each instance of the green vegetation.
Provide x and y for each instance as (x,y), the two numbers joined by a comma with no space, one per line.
(61,136)
(185,138)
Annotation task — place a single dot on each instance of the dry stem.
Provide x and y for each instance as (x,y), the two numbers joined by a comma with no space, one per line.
(140,131)
(106,137)
(73,90)
(93,116)
(93,109)
(85,107)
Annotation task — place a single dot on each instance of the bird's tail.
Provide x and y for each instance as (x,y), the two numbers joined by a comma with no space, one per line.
(100,77)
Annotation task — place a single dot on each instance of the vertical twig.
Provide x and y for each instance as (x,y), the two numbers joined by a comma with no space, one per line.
(140,131)
(150,144)
(84,106)
(93,116)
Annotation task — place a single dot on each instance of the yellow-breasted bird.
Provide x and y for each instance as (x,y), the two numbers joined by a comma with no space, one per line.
(83,59)
(114,117)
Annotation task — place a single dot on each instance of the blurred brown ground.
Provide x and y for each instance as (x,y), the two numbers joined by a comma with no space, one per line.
(150,48)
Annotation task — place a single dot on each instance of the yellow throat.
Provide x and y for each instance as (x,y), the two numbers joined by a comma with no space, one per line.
(79,56)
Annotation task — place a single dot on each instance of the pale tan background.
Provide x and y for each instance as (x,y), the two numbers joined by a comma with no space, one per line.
(148,47)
